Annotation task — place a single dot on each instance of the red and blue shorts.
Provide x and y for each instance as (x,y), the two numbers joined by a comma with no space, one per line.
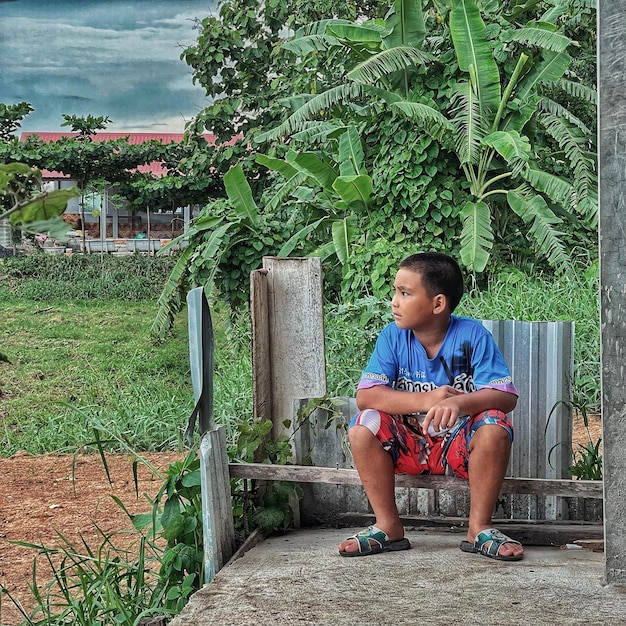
(416,452)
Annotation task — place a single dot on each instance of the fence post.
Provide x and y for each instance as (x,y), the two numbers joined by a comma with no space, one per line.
(217,516)
(612,168)
(288,338)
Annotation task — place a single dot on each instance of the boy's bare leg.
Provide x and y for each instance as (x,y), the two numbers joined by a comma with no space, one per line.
(489,457)
(375,469)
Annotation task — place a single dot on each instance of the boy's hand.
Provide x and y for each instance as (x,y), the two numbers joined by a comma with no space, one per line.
(445,412)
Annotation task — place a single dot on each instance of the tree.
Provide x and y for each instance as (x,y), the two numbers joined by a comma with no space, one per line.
(28,207)
(237,60)
(11,116)
(190,178)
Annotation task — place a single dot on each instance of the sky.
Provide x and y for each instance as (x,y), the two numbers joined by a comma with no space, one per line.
(115,58)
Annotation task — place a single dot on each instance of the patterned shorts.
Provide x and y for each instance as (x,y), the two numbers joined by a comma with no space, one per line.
(416,452)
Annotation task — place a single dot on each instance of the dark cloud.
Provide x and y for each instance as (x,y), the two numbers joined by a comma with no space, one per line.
(115,57)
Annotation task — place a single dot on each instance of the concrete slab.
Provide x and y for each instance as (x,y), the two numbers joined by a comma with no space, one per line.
(299,578)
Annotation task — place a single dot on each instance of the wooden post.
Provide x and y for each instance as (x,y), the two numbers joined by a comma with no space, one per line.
(295,358)
(612,168)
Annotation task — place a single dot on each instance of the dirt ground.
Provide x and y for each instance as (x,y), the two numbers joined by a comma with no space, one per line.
(41,495)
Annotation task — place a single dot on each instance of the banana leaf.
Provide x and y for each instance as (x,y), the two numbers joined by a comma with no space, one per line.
(240,194)
(473,50)
(476,235)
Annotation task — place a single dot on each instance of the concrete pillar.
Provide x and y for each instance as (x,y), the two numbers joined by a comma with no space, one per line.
(612,168)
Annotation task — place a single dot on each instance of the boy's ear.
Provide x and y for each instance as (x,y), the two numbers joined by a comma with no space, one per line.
(440,303)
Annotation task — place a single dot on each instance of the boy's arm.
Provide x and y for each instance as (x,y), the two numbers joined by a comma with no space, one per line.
(445,413)
(385,398)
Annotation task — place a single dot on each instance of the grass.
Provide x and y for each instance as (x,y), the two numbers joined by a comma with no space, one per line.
(80,365)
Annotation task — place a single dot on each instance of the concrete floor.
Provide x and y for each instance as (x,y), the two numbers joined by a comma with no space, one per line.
(300,579)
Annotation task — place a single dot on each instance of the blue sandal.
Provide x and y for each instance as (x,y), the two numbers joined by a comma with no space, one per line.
(488,543)
(373,540)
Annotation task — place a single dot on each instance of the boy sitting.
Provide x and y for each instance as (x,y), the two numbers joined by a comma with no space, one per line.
(433,399)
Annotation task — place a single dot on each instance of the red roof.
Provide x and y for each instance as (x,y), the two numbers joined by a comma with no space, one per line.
(134,138)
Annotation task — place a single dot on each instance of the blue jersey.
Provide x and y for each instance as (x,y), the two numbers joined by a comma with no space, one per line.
(468,359)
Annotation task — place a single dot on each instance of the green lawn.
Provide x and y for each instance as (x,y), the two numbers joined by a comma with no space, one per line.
(79,365)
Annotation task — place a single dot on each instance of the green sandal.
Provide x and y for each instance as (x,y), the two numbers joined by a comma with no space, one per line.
(488,543)
(373,540)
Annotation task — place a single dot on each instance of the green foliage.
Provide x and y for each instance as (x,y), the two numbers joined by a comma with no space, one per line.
(331,192)
(415,207)
(433,95)
(491,113)
(226,241)
(11,116)
(86,126)
(270,504)
(275,512)
(191,177)
(350,333)
(182,562)
(27,206)
(586,458)
(104,586)
(237,58)
(494,139)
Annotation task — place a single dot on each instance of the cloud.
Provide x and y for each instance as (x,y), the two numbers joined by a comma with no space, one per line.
(125,62)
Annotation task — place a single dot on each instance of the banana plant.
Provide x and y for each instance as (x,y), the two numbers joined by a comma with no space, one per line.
(335,193)
(381,57)
(219,227)
(489,121)
(488,128)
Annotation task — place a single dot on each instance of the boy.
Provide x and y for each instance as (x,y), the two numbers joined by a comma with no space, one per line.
(432,399)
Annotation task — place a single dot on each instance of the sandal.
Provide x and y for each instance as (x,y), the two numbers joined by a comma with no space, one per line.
(488,543)
(373,540)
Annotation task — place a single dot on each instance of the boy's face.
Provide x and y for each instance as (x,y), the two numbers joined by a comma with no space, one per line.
(411,305)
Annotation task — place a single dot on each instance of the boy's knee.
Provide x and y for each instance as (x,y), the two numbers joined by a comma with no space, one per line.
(491,436)
(359,433)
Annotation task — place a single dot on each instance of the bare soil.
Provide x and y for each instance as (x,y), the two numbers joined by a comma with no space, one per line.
(41,496)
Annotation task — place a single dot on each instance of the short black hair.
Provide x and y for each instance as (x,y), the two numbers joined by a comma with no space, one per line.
(440,273)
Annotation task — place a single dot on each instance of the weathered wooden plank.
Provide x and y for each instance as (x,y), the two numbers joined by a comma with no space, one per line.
(261,372)
(218,525)
(343,476)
